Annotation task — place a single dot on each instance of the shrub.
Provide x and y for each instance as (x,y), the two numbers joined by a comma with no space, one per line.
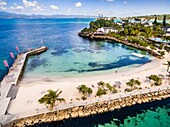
(109,87)
(128,90)
(132,83)
(162,53)
(86,91)
(101,83)
(114,90)
(84,98)
(167,48)
(152,47)
(157,80)
(101,92)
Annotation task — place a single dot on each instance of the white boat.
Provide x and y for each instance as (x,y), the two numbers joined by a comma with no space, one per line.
(138,55)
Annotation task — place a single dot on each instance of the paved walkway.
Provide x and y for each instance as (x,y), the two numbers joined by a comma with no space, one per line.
(7,89)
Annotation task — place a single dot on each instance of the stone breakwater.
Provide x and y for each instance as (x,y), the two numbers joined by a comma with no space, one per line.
(92,109)
(32,52)
(105,37)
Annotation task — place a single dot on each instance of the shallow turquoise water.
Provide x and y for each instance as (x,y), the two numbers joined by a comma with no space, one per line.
(68,53)
(158,118)
(83,58)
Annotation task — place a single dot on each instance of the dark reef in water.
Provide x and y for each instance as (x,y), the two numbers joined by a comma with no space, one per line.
(59,52)
(123,61)
(37,62)
(119,115)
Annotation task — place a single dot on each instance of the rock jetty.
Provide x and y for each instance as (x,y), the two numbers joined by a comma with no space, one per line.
(92,109)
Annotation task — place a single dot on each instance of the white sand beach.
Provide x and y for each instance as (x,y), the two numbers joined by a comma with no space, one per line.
(27,98)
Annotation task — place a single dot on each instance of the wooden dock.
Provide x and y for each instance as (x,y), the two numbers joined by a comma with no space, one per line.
(13,76)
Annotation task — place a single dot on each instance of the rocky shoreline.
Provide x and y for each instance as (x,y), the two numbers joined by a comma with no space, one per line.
(105,37)
(92,109)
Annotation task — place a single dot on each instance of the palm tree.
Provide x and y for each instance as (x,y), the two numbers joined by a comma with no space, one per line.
(133,82)
(86,91)
(168,65)
(50,98)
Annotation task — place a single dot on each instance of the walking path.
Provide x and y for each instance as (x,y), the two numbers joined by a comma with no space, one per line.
(13,77)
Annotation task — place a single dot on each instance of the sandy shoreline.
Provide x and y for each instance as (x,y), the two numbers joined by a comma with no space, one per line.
(117,72)
(28,95)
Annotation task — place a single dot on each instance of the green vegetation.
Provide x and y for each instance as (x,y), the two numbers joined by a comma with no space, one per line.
(164,21)
(94,25)
(50,98)
(104,88)
(101,84)
(132,83)
(159,17)
(162,53)
(137,33)
(156,79)
(86,91)
(101,92)
(167,48)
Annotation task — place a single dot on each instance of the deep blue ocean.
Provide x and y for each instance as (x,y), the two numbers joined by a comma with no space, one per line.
(69,54)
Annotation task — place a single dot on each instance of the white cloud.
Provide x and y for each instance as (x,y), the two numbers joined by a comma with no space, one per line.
(16,7)
(30,4)
(54,7)
(34,5)
(78,4)
(38,9)
(69,10)
(125,2)
(3,5)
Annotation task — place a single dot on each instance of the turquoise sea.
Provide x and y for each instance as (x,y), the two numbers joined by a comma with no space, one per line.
(70,55)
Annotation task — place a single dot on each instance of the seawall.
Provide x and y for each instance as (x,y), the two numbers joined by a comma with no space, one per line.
(91,109)
(105,37)
(16,72)
(28,54)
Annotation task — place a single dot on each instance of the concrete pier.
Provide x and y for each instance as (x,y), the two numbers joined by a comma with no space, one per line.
(13,76)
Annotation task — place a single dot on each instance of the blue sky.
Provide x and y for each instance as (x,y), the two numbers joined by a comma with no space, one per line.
(87,7)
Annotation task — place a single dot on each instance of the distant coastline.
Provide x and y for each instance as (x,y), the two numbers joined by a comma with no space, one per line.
(7,15)
(105,37)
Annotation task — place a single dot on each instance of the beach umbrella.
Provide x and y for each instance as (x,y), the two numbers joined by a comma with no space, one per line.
(6,63)
(12,55)
(17,49)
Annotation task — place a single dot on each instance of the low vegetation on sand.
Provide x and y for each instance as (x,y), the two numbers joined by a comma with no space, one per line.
(50,98)
(133,85)
(157,81)
(86,91)
(105,88)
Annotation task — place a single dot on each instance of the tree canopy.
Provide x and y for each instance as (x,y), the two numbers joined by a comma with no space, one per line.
(50,98)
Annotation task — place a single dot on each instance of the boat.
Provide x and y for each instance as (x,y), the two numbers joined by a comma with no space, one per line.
(138,55)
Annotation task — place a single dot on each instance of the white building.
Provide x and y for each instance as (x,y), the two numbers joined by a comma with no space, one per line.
(168,32)
(148,24)
(106,30)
